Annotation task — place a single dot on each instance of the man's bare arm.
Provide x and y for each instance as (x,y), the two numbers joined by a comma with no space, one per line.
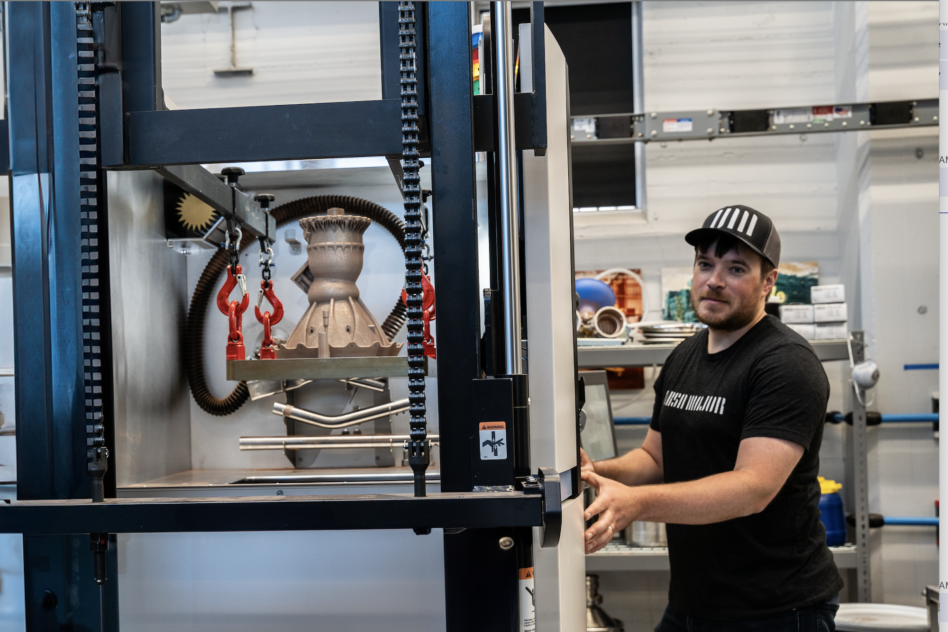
(642,466)
(762,467)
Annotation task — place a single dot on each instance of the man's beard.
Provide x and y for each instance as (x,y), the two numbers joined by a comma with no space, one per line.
(740,315)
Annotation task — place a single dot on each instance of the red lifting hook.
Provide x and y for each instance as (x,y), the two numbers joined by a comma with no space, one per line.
(265,318)
(427,315)
(234,311)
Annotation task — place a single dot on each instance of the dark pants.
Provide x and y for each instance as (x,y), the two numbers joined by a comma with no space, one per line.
(817,618)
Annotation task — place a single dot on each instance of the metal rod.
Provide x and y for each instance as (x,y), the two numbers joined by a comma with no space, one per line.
(364,382)
(340,421)
(509,194)
(638,101)
(943,284)
(335,441)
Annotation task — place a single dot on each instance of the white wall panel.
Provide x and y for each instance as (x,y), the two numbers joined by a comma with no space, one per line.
(300,52)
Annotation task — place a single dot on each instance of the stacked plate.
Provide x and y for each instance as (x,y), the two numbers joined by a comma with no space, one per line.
(669,332)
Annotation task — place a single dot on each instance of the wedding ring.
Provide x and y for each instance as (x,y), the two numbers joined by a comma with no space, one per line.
(610,528)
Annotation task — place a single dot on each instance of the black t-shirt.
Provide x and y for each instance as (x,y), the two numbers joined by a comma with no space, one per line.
(767,384)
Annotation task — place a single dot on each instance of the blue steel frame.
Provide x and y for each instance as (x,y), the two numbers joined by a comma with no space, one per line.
(136,132)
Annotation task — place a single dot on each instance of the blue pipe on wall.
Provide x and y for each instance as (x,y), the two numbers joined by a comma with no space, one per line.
(632,421)
(907,521)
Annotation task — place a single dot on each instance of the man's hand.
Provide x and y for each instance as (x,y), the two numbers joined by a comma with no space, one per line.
(617,506)
(585,463)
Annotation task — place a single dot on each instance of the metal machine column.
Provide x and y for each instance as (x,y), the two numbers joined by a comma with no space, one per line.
(48,312)
(477,570)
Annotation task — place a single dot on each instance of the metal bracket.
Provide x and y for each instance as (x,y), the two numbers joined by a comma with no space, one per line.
(226,200)
(712,123)
(547,484)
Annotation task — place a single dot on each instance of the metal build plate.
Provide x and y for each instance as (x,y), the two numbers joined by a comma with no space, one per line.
(686,124)
(317,368)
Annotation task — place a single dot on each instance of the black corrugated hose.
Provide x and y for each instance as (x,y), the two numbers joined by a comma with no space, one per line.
(203,292)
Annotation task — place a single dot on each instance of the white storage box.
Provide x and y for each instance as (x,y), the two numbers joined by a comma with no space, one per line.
(827,294)
(796,313)
(807,331)
(830,313)
(831,331)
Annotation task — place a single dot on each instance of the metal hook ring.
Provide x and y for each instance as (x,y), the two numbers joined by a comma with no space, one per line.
(228,243)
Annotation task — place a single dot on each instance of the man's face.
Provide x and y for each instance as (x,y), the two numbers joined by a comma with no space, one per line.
(727,292)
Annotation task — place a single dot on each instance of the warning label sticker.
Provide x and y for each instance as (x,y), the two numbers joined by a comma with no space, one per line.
(816,114)
(677,125)
(493,436)
(528,601)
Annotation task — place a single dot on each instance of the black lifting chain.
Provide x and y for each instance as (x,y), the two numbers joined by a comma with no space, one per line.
(90,184)
(418,445)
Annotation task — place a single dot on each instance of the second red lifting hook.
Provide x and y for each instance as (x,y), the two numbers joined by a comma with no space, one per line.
(234,310)
(267,319)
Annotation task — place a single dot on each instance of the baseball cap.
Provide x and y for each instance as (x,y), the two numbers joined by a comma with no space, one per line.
(750,226)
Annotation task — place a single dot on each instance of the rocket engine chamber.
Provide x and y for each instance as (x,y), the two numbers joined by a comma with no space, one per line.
(337,323)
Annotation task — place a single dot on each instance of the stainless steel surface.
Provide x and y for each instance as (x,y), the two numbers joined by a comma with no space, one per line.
(260,389)
(861,482)
(316,368)
(332,441)
(647,355)
(505,543)
(618,556)
(340,421)
(596,618)
(509,195)
(372,385)
(149,297)
(403,477)
(645,534)
(638,103)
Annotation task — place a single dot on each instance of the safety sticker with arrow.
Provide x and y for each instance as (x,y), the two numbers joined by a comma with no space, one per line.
(493,435)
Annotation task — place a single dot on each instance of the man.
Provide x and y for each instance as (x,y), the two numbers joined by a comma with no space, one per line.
(732,452)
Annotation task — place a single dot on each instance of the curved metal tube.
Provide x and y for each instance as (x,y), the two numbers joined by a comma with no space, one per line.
(340,421)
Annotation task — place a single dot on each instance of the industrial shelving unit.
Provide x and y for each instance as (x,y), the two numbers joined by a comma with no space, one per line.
(633,355)
(618,556)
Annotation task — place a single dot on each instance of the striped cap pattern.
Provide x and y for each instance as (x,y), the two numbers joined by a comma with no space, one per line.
(748,225)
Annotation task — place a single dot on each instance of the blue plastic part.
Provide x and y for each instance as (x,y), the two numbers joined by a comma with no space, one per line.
(594,294)
(632,421)
(833,518)
(931,417)
(907,521)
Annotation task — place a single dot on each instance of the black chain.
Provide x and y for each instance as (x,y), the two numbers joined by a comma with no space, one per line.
(232,245)
(265,251)
(90,194)
(419,446)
